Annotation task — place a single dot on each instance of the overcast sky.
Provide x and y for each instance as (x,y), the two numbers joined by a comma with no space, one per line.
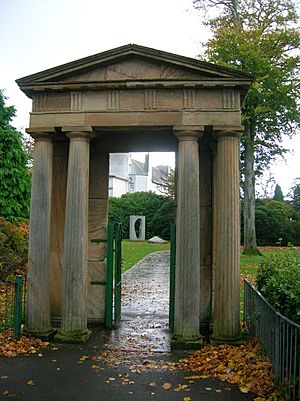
(40,34)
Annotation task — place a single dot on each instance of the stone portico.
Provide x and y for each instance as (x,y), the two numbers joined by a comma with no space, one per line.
(127,99)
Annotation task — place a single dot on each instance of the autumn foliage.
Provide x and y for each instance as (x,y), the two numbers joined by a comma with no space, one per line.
(10,347)
(13,249)
(244,366)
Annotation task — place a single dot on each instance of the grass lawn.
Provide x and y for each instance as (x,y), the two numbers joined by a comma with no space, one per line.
(133,251)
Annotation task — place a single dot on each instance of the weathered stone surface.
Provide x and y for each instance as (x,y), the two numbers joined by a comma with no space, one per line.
(187,271)
(227,269)
(60,167)
(74,283)
(131,98)
(38,279)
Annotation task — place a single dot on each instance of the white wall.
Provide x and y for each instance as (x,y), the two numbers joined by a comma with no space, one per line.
(117,186)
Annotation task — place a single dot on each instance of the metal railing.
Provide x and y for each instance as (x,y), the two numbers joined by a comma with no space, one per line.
(279,336)
(12,306)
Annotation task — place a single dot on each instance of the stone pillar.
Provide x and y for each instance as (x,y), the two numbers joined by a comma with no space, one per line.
(74,280)
(226,327)
(187,270)
(38,279)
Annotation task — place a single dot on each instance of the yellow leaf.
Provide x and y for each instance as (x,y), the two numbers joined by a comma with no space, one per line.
(5,392)
(167,386)
(30,383)
(187,399)
(244,390)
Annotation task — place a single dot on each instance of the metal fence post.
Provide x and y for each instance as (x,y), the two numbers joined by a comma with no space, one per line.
(172,275)
(18,306)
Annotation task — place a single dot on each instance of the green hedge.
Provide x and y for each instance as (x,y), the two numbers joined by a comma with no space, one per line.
(158,210)
(278,279)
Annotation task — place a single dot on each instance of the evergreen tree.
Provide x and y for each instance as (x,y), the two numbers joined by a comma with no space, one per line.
(278,195)
(14,174)
(296,198)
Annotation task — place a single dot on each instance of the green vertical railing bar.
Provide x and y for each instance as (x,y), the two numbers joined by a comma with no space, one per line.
(172,275)
(118,273)
(18,306)
(109,277)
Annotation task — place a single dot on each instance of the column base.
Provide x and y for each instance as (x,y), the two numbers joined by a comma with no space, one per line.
(227,340)
(186,344)
(46,335)
(73,337)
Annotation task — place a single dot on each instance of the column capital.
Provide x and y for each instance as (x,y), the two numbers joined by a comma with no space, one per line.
(225,131)
(83,134)
(188,132)
(41,133)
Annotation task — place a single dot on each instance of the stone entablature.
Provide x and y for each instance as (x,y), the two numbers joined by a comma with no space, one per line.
(138,100)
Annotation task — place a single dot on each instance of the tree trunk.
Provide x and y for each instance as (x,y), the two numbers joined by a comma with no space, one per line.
(250,246)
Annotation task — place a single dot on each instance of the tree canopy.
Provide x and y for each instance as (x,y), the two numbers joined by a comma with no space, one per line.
(14,174)
(260,37)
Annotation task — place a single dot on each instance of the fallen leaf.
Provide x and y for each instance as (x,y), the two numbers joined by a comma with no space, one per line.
(167,386)
(244,390)
(30,383)
(187,399)
(181,387)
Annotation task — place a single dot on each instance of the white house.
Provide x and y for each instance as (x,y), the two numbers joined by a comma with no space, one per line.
(129,175)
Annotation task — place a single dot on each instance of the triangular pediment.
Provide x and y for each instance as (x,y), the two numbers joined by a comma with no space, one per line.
(132,62)
(133,69)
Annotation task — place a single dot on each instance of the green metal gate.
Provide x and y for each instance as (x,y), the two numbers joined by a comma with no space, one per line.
(113,275)
(172,276)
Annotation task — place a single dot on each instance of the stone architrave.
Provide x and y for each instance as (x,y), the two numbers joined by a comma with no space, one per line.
(187,270)
(226,327)
(141,220)
(38,279)
(74,280)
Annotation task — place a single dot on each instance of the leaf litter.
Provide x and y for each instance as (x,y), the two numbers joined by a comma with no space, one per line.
(244,366)
(10,347)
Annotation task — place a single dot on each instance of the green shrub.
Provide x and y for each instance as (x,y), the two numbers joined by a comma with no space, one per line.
(13,249)
(278,279)
(158,210)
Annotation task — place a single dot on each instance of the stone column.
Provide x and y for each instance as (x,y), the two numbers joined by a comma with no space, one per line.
(74,280)
(38,279)
(187,270)
(226,327)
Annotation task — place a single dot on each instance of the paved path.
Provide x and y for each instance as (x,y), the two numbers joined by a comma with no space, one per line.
(126,365)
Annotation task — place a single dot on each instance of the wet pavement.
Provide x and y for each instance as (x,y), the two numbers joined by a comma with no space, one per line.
(133,362)
(145,306)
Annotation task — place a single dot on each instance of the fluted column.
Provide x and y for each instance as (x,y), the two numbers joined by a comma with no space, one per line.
(226,327)
(187,270)
(74,280)
(38,279)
